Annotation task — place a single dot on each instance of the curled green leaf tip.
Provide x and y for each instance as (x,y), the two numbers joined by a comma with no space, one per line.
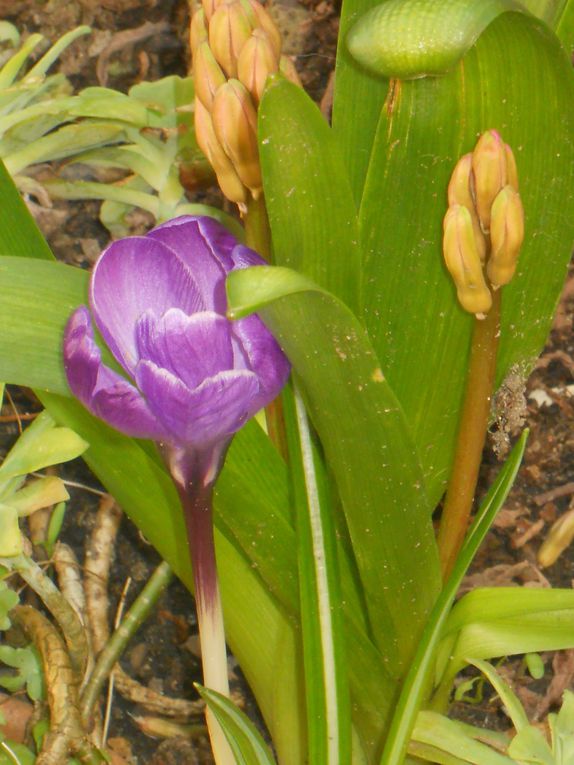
(408,39)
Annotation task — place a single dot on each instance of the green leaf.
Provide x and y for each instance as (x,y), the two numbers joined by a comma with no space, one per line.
(510,700)
(10,536)
(326,680)
(515,79)
(244,739)
(42,444)
(8,599)
(29,671)
(37,494)
(418,681)
(367,446)
(306,183)
(502,621)
(444,735)
(12,753)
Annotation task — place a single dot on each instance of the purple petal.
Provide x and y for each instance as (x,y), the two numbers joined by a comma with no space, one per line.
(264,356)
(210,413)
(244,257)
(205,246)
(132,276)
(190,347)
(102,391)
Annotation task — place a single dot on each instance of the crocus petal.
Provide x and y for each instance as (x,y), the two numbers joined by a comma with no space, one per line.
(190,347)
(205,246)
(102,391)
(264,357)
(244,257)
(210,413)
(132,276)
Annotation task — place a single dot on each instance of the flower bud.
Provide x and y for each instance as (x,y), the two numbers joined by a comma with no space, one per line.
(287,69)
(506,236)
(256,62)
(209,8)
(227,177)
(489,173)
(511,169)
(459,193)
(207,74)
(197,30)
(235,123)
(261,19)
(463,261)
(229,30)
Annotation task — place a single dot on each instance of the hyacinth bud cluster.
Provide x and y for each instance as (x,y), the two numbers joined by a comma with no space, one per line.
(484,224)
(235,46)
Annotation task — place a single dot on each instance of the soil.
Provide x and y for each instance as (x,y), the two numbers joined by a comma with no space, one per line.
(163,655)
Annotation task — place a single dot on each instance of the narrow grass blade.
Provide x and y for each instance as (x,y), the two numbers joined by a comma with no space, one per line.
(326,684)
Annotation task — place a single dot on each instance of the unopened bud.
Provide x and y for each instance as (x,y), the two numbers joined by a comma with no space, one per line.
(227,177)
(208,75)
(287,69)
(463,261)
(197,30)
(511,169)
(229,30)
(260,18)
(506,236)
(489,173)
(209,8)
(256,62)
(459,193)
(235,124)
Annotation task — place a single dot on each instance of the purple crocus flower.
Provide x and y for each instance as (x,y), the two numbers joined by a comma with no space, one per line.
(159,303)
(192,379)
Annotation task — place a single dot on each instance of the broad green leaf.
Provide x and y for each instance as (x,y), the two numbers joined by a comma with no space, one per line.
(367,446)
(357,92)
(518,80)
(244,739)
(418,682)
(307,192)
(326,677)
(558,14)
(19,234)
(12,753)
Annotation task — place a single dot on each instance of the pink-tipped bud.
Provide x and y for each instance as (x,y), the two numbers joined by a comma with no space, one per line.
(197,30)
(261,19)
(459,193)
(208,75)
(235,124)
(287,69)
(227,177)
(256,62)
(229,30)
(463,261)
(506,236)
(489,173)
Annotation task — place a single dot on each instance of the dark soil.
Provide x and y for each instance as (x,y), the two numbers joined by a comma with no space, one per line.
(163,653)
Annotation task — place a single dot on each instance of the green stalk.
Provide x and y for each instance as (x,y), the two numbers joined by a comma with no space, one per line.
(471,436)
(137,614)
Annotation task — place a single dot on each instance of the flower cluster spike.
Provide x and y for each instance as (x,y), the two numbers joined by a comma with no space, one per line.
(483,228)
(235,46)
